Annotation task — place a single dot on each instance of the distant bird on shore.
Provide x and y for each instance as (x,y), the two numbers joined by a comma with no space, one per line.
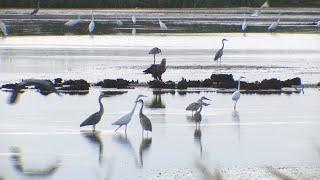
(134,20)
(220,52)
(163,26)
(119,23)
(95,118)
(196,105)
(73,22)
(274,25)
(258,12)
(155,51)
(43,85)
(3,28)
(318,24)
(244,25)
(92,24)
(124,120)
(156,70)
(35,10)
(236,95)
(144,120)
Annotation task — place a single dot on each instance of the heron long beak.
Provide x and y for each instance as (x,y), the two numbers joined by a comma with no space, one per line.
(206,99)
(205,104)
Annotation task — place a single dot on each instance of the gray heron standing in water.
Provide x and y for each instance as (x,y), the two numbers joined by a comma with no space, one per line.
(155,51)
(43,85)
(196,105)
(156,70)
(144,120)
(236,95)
(274,25)
(95,118)
(220,52)
(197,116)
(125,119)
(35,10)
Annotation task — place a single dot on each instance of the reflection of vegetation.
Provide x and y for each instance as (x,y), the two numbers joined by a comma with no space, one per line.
(19,166)
(154,4)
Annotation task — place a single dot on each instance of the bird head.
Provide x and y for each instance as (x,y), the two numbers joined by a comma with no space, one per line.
(140,100)
(102,95)
(204,98)
(225,39)
(139,96)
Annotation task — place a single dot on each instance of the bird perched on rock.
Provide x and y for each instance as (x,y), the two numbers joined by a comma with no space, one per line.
(156,70)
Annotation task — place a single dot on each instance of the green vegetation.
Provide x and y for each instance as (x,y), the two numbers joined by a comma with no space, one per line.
(155,3)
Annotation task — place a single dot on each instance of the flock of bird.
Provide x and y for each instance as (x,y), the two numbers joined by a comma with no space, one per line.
(91,27)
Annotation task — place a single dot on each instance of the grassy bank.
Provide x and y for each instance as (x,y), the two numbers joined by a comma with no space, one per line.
(155,4)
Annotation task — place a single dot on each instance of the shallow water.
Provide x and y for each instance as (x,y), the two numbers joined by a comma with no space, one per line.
(256,56)
(277,130)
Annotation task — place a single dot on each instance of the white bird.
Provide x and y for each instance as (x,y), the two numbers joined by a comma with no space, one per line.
(124,120)
(3,28)
(318,24)
(162,25)
(274,25)
(244,25)
(265,5)
(92,25)
(257,12)
(73,22)
(134,20)
(236,94)
(119,23)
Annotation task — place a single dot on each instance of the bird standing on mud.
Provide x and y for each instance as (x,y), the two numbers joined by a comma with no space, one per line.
(3,28)
(92,24)
(44,86)
(244,25)
(219,53)
(196,105)
(95,118)
(35,10)
(155,51)
(144,120)
(124,120)
(236,95)
(156,70)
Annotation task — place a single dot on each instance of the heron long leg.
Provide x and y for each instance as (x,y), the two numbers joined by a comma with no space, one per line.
(94,128)
(154,58)
(125,130)
(235,105)
(117,128)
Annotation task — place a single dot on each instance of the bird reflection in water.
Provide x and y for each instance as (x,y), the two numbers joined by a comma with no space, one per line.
(197,139)
(125,142)
(157,102)
(236,121)
(18,164)
(144,146)
(95,139)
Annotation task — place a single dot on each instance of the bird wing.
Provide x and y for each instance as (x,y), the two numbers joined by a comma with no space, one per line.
(193,106)
(91,120)
(236,96)
(145,122)
(218,54)
(123,120)
(151,69)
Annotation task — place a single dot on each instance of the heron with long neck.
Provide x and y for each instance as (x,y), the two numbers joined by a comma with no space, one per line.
(155,51)
(236,94)
(220,52)
(144,120)
(124,120)
(95,118)
(196,105)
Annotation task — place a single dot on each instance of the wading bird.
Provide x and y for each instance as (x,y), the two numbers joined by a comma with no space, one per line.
(244,24)
(124,120)
(134,20)
(257,12)
(163,26)
(92,24)
(274,25)
(318,24)
(73,22)
(144,120)
(197,116)
(196,105)
(220,52)
(156,70)
(155,51)
(43,85)
(236,94)
(94,119)
(3,28)
(119,23)
(35,10)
